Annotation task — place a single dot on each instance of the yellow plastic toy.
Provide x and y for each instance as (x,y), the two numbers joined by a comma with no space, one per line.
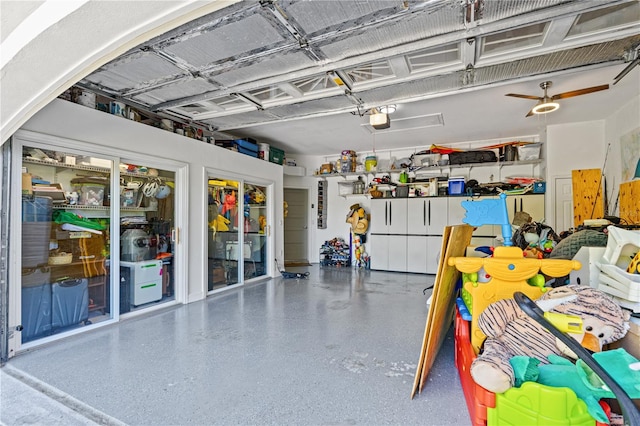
(509,272)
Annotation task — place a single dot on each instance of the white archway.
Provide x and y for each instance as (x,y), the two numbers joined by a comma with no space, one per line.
(51,46)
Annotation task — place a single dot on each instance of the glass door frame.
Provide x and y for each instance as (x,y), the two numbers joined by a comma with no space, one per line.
(180,242)
(28,138)
(242,179)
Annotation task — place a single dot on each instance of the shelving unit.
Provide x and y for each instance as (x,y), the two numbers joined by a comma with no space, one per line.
(322,204)
(499,164)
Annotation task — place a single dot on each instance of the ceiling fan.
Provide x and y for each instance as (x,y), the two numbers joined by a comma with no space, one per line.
(547,103)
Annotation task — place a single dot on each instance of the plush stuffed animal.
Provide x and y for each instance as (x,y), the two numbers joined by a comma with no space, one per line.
(511,332)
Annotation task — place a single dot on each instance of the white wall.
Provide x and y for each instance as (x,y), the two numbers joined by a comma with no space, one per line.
(618,124)
(573,146)
(72,121)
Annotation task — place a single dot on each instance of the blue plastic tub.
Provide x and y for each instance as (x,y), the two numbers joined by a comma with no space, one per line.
(456,186)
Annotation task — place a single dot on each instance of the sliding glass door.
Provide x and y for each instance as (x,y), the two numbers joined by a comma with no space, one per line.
(256,230)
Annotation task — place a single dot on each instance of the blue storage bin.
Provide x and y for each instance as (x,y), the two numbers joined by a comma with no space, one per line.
(456,186)
(246,145)
(248,152)
(539,187)
(36,208)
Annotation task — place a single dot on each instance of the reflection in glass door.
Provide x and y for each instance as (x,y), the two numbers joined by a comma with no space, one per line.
(224,244)
(65,225)
(147,221)
(256,231)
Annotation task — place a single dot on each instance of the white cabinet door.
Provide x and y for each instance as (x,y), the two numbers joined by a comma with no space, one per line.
(379,217)
(388,252)
(417,216)
(377,247)
(397,246)
(417,254)
(397,215)
(455,211)
(531,203)
(434,245)
(534,205)
(437,215)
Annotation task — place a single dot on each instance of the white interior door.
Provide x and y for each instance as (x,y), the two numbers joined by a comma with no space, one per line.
(563,204)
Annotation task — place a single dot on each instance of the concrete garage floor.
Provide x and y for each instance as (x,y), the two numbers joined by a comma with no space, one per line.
(338,348)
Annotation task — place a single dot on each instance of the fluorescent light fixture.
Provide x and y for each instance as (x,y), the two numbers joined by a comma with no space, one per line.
(387,109)
(545,107)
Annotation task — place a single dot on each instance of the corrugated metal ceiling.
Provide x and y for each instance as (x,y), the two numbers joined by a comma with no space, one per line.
(255,55)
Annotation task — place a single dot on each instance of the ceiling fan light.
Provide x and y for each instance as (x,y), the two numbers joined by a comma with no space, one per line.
(545,107)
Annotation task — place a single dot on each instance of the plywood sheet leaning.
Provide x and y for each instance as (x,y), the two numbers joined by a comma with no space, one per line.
(454,243)
(630,202)
(446,233)
(588,200)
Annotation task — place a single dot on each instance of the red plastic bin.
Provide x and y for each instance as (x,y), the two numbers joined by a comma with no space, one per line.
(478,398)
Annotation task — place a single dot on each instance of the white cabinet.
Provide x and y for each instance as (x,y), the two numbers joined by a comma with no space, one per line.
(406,234)
(389,216)
(426,218)
(530,203)
(388,234)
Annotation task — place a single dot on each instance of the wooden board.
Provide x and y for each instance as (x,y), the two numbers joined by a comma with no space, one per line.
(442,307)
(588,200)
(630,202)
(443,249)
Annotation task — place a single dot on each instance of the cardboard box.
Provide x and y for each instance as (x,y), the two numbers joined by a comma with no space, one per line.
(26,184)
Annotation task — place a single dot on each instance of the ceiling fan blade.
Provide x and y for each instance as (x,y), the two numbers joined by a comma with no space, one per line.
(580,92)
(517,95)
(529,114)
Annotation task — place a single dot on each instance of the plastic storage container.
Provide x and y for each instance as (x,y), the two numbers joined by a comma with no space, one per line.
(276,155)
(36,208)
(456,186)
(91,194)
(371,163)
(247,146)
(529,152)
